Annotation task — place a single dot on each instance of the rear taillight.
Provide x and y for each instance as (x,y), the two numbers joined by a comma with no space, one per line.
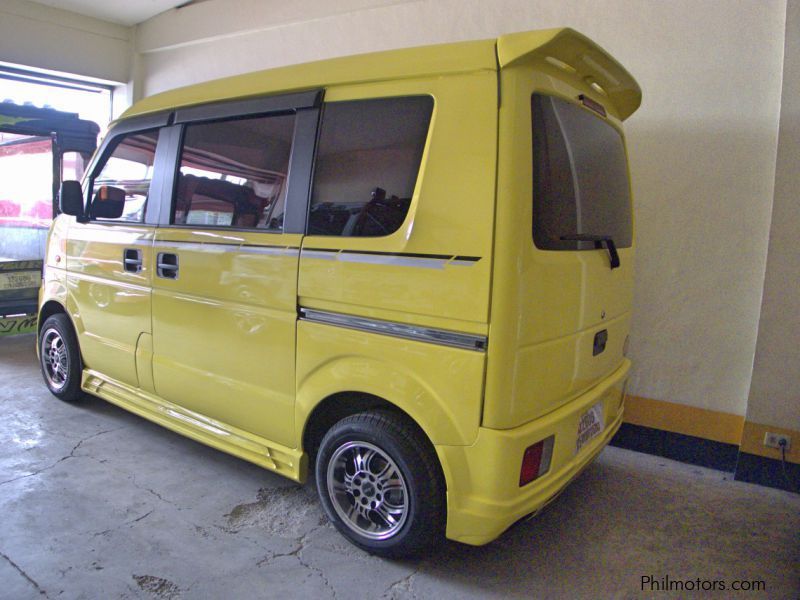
(536,461)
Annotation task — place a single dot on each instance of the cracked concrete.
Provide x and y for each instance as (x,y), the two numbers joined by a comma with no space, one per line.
(98,503)
(24,574)
(60,460)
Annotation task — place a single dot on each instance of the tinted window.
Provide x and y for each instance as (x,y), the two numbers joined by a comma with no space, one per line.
(367,163)
(125,177)
(233,173)
(580,177)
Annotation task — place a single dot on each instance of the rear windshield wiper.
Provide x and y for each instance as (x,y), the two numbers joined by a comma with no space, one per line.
(600,241)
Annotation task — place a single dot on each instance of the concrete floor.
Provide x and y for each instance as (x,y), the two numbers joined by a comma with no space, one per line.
(98,503)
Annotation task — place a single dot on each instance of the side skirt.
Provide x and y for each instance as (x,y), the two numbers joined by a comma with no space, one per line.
(291,463)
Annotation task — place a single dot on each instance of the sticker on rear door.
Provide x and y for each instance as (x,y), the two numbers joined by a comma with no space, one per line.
(590,426)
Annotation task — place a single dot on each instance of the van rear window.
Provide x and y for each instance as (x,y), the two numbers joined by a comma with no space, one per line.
(580,178)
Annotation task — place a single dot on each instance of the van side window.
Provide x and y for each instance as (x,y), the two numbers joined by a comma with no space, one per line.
(119,191)
(367,163)
(233,173)
(580,178)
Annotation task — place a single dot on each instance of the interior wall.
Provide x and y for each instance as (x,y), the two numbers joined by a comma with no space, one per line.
(775,390)
(702,146)
(42,37)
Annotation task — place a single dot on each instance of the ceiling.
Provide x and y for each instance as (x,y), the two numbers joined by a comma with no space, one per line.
(123,12)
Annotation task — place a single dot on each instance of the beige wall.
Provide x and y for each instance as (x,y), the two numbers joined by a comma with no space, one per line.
(702,146)
(38,36)
(775,391)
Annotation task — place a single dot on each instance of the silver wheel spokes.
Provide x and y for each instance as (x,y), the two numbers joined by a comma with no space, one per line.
(54,359)
(367,489)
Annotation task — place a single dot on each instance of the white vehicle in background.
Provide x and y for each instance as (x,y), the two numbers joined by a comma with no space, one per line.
(39,147)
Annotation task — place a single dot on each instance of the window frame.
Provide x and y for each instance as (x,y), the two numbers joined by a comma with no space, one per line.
(160,166)
(305,106)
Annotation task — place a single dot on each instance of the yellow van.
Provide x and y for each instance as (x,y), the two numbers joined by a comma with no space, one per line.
(409,272)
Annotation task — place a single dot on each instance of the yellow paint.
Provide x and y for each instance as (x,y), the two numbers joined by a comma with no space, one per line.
(577,59)
(219,355)
(224,330)
(393,65)
(457,223)
(110,306)
(289,462)
(439,387)
(753,441)
(559,300)
(484,496)
(688,420)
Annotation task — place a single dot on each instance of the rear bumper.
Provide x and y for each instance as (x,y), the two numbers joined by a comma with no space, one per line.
(483,495)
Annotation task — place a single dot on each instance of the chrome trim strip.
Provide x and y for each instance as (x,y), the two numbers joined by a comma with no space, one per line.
(223,248)
(461,263)
(110,236)
(109,280)
(443,337)
(319,254)
(274,251)
(397,259)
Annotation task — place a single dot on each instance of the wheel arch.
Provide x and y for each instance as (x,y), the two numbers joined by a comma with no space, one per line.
(50,308)
(341,405)
(368,382)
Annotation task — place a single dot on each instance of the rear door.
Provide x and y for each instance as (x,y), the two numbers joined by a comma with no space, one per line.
(225,286)
(562,290)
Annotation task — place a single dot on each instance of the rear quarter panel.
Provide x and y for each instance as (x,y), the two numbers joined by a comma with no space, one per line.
(451,215)
(437,386)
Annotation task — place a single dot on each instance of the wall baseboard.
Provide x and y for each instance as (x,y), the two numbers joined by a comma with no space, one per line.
(753,442)
(676,446)
(708,439)
(687,420)
(768,472)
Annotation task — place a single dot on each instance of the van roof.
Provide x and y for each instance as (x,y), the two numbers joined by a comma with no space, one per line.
(585,62)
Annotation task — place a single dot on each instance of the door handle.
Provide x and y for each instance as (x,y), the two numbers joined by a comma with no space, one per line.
(167,265)
(600,339)
(132,260)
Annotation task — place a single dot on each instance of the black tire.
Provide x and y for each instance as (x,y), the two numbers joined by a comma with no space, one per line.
(396,459)
(60,358)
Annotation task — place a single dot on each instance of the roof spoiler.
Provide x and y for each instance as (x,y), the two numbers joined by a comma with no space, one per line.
(580,60)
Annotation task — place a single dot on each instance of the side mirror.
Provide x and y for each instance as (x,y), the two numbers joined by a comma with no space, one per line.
(108,203)
(70,200)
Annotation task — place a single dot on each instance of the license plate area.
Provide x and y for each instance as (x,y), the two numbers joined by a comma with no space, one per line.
(590,426)
(14,280)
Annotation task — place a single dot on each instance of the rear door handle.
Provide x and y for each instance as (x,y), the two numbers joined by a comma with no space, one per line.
(132,260)
(167,265)
(600,339)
